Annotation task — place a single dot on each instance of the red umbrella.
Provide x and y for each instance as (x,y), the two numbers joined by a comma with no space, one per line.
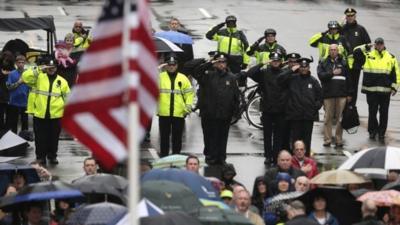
(381,198)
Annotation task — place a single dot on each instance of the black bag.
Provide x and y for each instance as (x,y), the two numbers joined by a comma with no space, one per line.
(350,119)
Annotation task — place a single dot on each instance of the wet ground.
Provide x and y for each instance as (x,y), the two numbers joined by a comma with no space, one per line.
(295,21)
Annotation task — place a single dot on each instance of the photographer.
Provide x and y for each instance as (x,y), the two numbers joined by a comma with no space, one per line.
(81,36)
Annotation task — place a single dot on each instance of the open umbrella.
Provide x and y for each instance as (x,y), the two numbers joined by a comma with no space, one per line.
(215,216)
(198,184)
(381,198)
(176,160)
(7,170)
(12,145)
(340,202)
(376,160)
(338,177)
(97,214)
(164,45)
(170,196)
(175,37)
(169,218)
(147,208)
(395,185)
(115,181)
(99,192)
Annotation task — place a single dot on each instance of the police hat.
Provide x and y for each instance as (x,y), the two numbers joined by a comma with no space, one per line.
(172,60)
(379,40)
(230,18)
(220,56)
(269,31)
(333,24)
(293,55)
(304,62)
(275,56)
(350,12)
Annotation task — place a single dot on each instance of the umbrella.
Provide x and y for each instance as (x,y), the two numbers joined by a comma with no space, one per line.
(198,184)
(170,196)
(99,192)
(376,160)
(115,181)
(170,218)
(175,37)
(340,202)
(97,214)
(395,185)
(40,192)
(147,208)
(12,145)
(216,216)
(381,198)
(163,45)
(7,170)
(337,177)
(176,160)
(218,204)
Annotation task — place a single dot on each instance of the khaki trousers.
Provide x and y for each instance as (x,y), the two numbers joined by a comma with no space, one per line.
(333,109)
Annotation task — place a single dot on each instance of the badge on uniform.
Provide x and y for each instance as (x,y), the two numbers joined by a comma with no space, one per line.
(309,86)
(228,82)
(356,34)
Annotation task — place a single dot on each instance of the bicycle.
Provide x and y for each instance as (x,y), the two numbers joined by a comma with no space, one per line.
(250,101)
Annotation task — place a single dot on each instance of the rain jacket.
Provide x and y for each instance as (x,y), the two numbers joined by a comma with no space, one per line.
(261,52)
(355,35)
(323,40)
(330,220)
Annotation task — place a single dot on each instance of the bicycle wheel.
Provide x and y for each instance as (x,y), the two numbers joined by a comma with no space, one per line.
(253,112)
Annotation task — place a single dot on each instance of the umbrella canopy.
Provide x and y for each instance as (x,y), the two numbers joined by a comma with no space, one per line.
(216,216)
(376,160)
(338,177)
(170,196)
(395,185)
(97,214)
(115,181)
(147,208)
(12,145)
(163,45)
(176,160)
(170,218)
(198,184)
(340,202)
(381,198)
(175,37)
(7,170)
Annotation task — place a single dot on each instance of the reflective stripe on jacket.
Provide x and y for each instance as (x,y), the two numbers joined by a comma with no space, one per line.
(179,96)
(43,91)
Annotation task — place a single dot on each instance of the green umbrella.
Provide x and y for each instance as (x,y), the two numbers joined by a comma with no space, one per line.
(176,160)
(212,215)
(170,196)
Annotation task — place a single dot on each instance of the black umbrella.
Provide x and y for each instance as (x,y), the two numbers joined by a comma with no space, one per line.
(169,218)
(164,45)
(96,192)
(115,181)
(7,170)
(97,214)
(340,202)
(216,216)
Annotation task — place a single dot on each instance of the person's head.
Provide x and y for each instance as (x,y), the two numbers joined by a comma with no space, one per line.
(50,66)
(90,166)
(236,189)
(350,15)
(18,180)
(292,59)
(270,35)
(283,180)
(228,172)
(242,201)
(333,27)
(333,51)
(319,203)
(379,44)
(304,66)
(220,61)
(174,24)
(302,184)
(395,213)
(276,60)
(368,208)
(393,175)
(295,208)
(78,27)
(299,149)
(261,186)
(69,40)
(34,214)
(20,61)
(145,165)
(192,163)
(226,196)
(284,160)
(231,21)
(172,64)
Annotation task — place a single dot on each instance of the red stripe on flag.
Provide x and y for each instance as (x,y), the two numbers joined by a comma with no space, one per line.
(95,105)
(100,74)
(104,44)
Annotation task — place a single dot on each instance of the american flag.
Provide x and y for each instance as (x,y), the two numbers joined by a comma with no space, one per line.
(96,112)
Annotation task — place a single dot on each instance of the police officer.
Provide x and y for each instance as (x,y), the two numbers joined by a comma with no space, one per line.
(380,80)
(355,35)
(51,91)
(233,43)
(304,100)
(218,103)
(292,59)
(274,99)
(175,102)
(331,36)
(262,52)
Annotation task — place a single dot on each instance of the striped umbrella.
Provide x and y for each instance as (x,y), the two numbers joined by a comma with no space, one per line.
(377,160)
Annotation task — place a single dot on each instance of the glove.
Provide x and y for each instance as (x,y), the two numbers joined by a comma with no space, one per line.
(257,42)
(244,66)
(324,32)
(368,46)
(221,25)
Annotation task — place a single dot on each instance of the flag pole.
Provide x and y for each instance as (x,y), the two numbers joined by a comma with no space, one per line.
(133,124)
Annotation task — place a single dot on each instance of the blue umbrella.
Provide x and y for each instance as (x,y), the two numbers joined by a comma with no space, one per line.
(198,184)
(7,170)
(175,37)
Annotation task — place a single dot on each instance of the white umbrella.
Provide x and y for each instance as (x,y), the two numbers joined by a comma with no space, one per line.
(145,209)
(164,45)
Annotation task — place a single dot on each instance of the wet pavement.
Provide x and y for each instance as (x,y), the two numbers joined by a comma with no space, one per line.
(295,21)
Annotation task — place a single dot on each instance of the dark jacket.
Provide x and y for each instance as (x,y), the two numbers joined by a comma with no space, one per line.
(334,86)
(219,93)
(355,35)
(370,220)
(330,220)
(257,199)
(304,97)
(301,220)
(275,47)
(274,96)
(270,175)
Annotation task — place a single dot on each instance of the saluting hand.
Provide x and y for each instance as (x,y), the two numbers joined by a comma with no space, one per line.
(295,67)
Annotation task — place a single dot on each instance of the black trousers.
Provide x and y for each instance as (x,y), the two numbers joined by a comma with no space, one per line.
(377,102)
(170,126)
(15,113)
(274,133)
(355,78)
(47,132)
(302,130)
(215,133)
(3,113)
